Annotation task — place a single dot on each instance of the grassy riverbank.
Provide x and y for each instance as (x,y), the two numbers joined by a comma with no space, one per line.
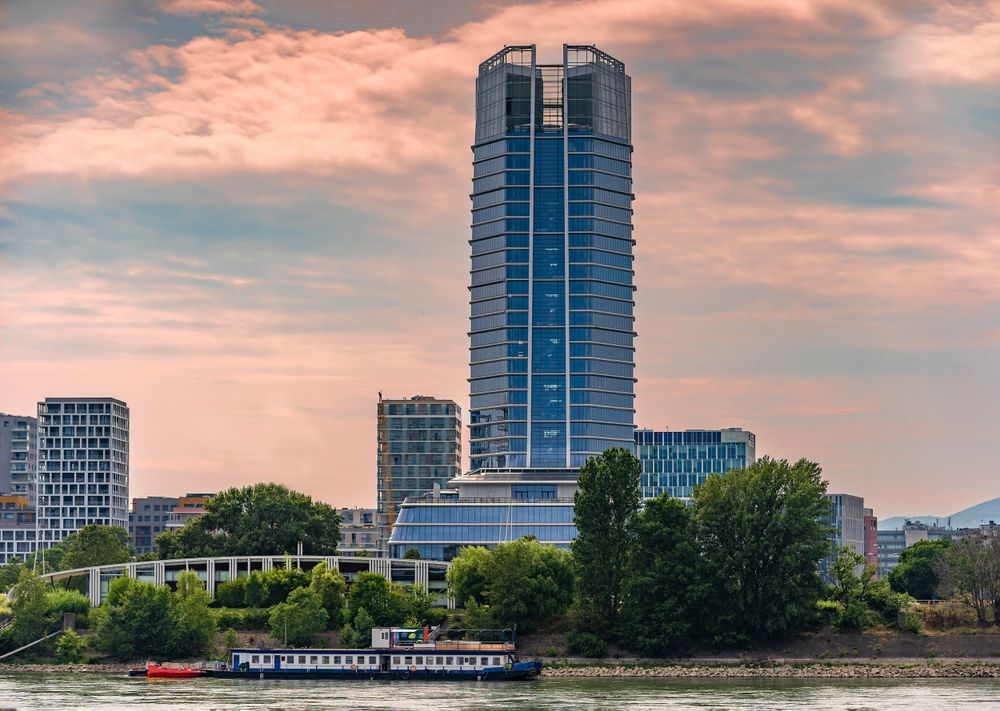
(801,669)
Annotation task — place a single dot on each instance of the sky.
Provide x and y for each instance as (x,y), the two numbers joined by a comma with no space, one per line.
(246,218)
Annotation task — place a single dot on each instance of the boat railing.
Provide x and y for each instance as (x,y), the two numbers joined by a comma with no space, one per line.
(456,646)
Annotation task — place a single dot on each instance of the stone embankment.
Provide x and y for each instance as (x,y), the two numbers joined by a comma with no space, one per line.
(815,670)
(69,668)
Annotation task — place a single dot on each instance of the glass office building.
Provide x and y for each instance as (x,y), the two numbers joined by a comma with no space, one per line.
(552,356)
(551,352)
(674,463)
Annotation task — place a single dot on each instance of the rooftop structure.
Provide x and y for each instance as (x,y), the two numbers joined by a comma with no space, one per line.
(673,463)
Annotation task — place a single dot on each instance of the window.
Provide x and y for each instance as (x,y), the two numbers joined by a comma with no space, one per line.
(440,661)
(449,661)
(313,660)
(326,660)
(255,659)
(336,660)
(349,659)
(484,661)
(408,661)
(395,660)
(372,660)
(267,659)
(420,660)
(496,661)
(302,659)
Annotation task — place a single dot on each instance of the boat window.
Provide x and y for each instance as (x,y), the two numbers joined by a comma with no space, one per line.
(349,659)
(395,660)
(326,660)
(372,660)
(302,659)
(449,661)
(267,659)
(336,660)
(255,659)
(420,660)
(496,661)
(440,661)
(409,660)
(313,659)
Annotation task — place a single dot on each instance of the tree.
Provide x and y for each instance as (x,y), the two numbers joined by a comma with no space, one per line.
(412,554)
(851,589)
(358,633)
(299,619)
(192,622)
(96,545)
(329,585)
(664,587)
(968,571)
(135,620)
(10,572)
(30,608)
(760,535)
(916,574)
(374,594)
(261,519)
(467,575)
(528,582)
(605,507)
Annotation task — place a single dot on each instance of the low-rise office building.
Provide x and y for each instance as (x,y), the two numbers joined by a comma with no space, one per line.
(152,515)
(847,517)
(17,528)
(673,463)
(891,543)
(871,538)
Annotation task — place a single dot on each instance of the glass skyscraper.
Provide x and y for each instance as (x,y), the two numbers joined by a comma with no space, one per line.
(673,463)
(552,358)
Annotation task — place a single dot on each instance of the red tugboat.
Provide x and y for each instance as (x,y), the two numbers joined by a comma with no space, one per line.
(155,671)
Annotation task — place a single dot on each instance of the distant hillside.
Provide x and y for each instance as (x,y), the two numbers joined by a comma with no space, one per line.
(966,518)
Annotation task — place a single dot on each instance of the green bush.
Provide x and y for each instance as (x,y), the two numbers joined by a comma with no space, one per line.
(299,619)
(249,618)
(60,600)
(231,593)
(586,644)
(828,612)
(70,648)
(912,622)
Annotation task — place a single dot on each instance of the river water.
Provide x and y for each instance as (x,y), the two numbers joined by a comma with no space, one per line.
(61,692)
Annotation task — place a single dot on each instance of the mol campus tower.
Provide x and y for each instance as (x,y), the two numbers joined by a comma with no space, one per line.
(551,353)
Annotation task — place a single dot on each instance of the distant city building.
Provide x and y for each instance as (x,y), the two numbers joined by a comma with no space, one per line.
(419,446)
(83,465)
(847,516)
(891,543)
(673,463)
(152,515)
(871,538)
(17,528)
(18,455)
(358,531)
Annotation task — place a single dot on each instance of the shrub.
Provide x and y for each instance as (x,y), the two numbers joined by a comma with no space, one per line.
(586,644)
(230,640)
(299,619)
(231,593)
(70,648)
(250,618)
(911,621)
(828,612)
(60,600)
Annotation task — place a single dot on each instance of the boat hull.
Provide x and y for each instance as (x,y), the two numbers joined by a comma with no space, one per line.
(519,671)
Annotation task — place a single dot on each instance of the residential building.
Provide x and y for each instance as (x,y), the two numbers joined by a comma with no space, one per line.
(891,543)
(419,446)
(148,519)
(847,517)
(18,455)
(358,531)
(83,458)
(673,463)
(17,527)
(871,538)
(551,336)
(189,506)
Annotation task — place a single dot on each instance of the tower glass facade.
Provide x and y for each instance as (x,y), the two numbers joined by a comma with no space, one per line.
(552,357)
(673,463)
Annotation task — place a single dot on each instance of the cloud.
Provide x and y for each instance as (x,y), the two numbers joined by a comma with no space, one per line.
(961,43)
(224,7)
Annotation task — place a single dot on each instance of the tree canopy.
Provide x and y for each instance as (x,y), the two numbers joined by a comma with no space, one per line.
(916,572)
(261,519)
(95,545)
(605,506)
(760,534)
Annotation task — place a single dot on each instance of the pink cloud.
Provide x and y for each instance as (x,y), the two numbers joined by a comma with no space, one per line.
(962,43)
(196,7)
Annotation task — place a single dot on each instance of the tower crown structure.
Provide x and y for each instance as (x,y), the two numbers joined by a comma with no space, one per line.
(552,328)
